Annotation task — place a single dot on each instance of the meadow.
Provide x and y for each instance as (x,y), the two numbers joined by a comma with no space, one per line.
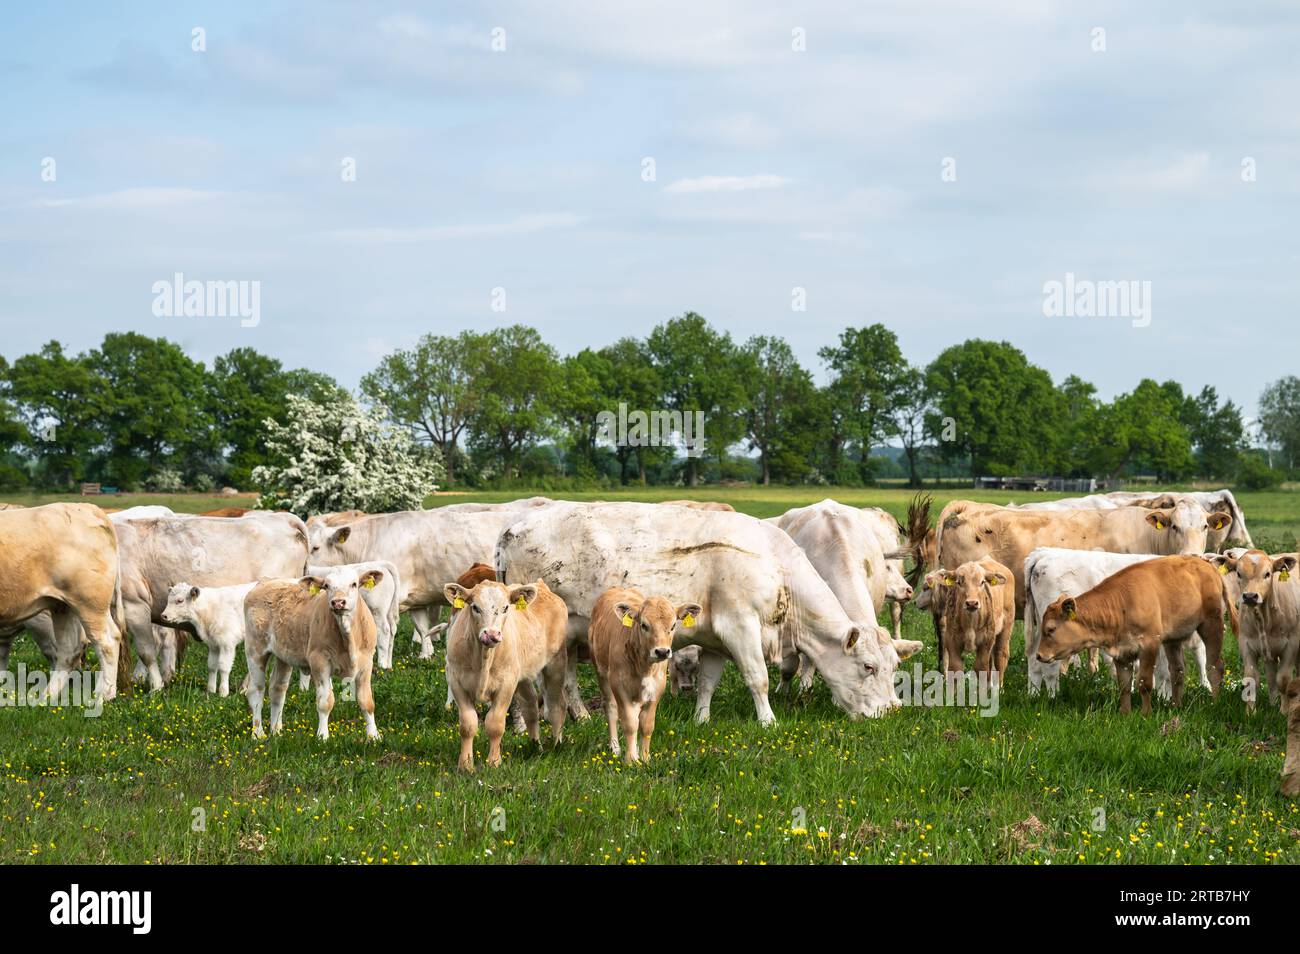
(177,777)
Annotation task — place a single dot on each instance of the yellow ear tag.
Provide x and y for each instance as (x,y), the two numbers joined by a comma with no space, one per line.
(1160,524)
(950,581)
(313,589)
(688,620)
(627,620)
(521,604)
(458,603)
(369,584)
(1071,614)
(995,582)
(1284,576)
(1223,568)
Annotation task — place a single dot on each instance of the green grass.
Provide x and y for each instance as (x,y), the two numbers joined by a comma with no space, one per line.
(922,785)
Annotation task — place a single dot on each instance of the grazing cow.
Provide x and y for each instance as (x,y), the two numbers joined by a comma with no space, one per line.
(631,641)
(217,615)
(503,638)
(319,622)
(210,551)
(683,670)
(1051,572)
(383,596)
(64,558)
(1267,596)
(979,611)
(754,582)
(1221,501)
(887,532)
(971,531)
(1133,614)
(842,545)
(427,547)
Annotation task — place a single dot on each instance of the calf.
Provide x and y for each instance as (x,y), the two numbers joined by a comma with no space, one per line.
(217,615)
(499,640)
(1268,604)
(683,670)
(1291,706)
(631,641)
(979,611)
(383,596)
(1133,614)
(317,622)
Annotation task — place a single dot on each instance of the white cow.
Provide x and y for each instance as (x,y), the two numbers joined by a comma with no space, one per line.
(755,584)
(217,615)
(1210,500)
(887,532)
(1051,572)
(842,545)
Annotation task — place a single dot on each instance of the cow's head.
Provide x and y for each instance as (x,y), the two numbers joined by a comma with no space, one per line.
(489,604)
(1254,575)
(342,587)
(684,669)
(1061,632)
(652,626)
(326,542)
(929,592)
(897,589)
(861,676)
(180,604)
(972,586)
(1184,527)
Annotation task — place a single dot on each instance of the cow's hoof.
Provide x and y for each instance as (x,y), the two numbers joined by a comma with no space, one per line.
(701,716)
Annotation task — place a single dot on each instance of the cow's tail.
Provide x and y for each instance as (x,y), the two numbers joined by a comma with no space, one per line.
(918,526)
(1232,608)
(118,613)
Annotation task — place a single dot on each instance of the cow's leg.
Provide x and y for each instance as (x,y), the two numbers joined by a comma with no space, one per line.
(1211,632)
(225,662)
(896,614)
(323,679)
(468,718)
(1285,669)
(140,625)
(366,699)
(571,691)
(526,701)
(422,620)
(281,673)
(746,647)
(384,644)
(304,680)
(101,630)
(6,641)
(711,664)
(1198,649)
(648,726)
(807,671)
(553,695)
(1161,676)
(1249,672)
(984,658)
(166,638)
(611,711)
(1291,767)
(495,726)
(629,715)
(517,720)
(1176,663)
(451,700)
(214,668)
(256,686)
(66,647)
(1093,655)
(789,665)
(1146,673)
(1124,679)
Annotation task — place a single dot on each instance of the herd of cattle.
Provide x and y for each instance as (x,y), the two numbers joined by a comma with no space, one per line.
(648,591)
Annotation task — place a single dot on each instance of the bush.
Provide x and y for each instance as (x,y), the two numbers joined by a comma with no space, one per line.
(1255,474)
(165,481)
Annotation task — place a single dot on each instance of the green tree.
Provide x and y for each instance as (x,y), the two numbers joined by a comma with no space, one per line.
(1279,417)
(870,377)
(517,383)
(1142,429)
(433,389)
(1079,409)
(1218,435)
(1005,413)
(910,411)
(634,381)
(777,389)
(586,381)
(59,399)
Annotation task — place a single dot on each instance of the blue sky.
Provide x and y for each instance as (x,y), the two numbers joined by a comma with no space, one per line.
(775,168)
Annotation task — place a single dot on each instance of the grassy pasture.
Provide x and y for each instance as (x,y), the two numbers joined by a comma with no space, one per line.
(177,777)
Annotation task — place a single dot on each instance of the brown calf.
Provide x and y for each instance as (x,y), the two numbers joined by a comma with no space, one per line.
(1291,706)
(498,641)
(1135,613)
(319,623)
(631,640)
(978,610)
(1267,594)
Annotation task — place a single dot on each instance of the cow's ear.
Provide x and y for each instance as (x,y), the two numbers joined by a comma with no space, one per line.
(1218,521)
(1068,609)
(1219,562)
(314,584)
(194,592)
(1284,566)
(907,647)
(624,613)
(522,595)
(689,614)
(1159,519)
(370,578)
(994,579)
(341,536)
(455,595)
(851,639)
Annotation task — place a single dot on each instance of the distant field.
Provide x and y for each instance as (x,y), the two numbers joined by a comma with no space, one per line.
(176,777)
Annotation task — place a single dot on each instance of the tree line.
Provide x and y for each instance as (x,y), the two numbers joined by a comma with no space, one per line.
(503,407)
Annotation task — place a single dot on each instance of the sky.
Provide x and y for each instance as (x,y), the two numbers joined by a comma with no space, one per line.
(593,169)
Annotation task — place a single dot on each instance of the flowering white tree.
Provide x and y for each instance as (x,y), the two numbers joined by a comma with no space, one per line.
(336,455)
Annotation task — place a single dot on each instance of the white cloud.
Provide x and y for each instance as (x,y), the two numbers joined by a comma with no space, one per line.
(725,184)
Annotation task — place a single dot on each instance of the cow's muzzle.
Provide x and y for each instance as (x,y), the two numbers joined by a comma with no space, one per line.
(490,637)
(661,653)
(972,605)
(1251,599)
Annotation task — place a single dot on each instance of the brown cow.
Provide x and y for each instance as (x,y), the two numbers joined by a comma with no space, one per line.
(502,638)
(631,640)
(979,611)
(1267,594)
(1138,611)
(1291,767)
(317,622)
(63,557)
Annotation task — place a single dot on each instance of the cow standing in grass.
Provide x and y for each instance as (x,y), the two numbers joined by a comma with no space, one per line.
(1267,595)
